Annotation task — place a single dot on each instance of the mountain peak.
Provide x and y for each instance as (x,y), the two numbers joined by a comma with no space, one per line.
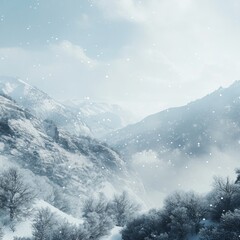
(235,84)
(41,105)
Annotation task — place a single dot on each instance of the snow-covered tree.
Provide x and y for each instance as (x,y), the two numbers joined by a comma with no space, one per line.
(124,209)
(230,223)
(66,231)
(147,226)
(210,233)
(96,215)
(180,218)
(180,225)
(188,207)
(59,200)
(44,224)
(98,205)
(98,225)
(227,229)
(15,195)
(224,197)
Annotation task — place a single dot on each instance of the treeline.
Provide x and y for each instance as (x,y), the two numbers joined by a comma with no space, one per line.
(187,215)
(99,214)
(184,215)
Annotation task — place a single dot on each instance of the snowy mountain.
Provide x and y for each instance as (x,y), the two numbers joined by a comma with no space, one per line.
(102,118)
(79,117)
(193,130)
(43,106)
(55,160)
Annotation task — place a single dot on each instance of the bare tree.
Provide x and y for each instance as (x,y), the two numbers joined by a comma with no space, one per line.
(224,197)
(44,224)
(98,205)
(124,209)
(59,200)
(97,217)
(15,195)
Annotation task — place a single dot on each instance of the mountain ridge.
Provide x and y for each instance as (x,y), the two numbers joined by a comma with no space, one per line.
(191,128)
(76,166)
(42,105)
(87,118)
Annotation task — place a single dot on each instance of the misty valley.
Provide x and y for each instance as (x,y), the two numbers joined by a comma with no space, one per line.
(87,170)
(119,120)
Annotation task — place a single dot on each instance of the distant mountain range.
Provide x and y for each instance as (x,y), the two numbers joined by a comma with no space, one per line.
(193,130)
(102,118)
(78,117)
(54,142)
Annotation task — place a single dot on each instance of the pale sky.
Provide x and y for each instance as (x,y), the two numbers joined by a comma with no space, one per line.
(146,55)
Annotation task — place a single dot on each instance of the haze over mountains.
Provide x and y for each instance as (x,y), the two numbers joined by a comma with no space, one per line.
(193,130)
(55,142)
(79,117)
(56,153)
(80,166)
(196,141)
(102,118)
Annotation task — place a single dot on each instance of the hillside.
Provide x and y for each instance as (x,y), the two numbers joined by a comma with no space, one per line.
(102,118)
(43,106)
(79,166)
(193,129)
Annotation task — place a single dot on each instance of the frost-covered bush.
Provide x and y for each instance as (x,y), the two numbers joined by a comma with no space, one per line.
(185,211)
(227,229)
(146,226)
(44,225)
(231,221)
(59,200)
(123,209)
(66,231)
(98,225)
(210,233)
(15,195)
(181,217)
(98,221)
(224,197)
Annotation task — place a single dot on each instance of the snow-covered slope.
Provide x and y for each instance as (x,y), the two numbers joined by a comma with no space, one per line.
(43,106)
(102,118)
(194,129)
(76,166)
(24,228)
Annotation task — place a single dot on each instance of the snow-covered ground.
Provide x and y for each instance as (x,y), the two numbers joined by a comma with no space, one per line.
(24,228)
(114,235)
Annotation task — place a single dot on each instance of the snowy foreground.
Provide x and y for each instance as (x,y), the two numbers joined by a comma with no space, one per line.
(24,229)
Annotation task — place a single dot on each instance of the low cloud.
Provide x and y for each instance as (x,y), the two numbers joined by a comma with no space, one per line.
(129,10)
(163,176)
(141,54)
(68,49)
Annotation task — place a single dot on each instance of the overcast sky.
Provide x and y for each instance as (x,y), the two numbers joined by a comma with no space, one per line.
(147,55)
